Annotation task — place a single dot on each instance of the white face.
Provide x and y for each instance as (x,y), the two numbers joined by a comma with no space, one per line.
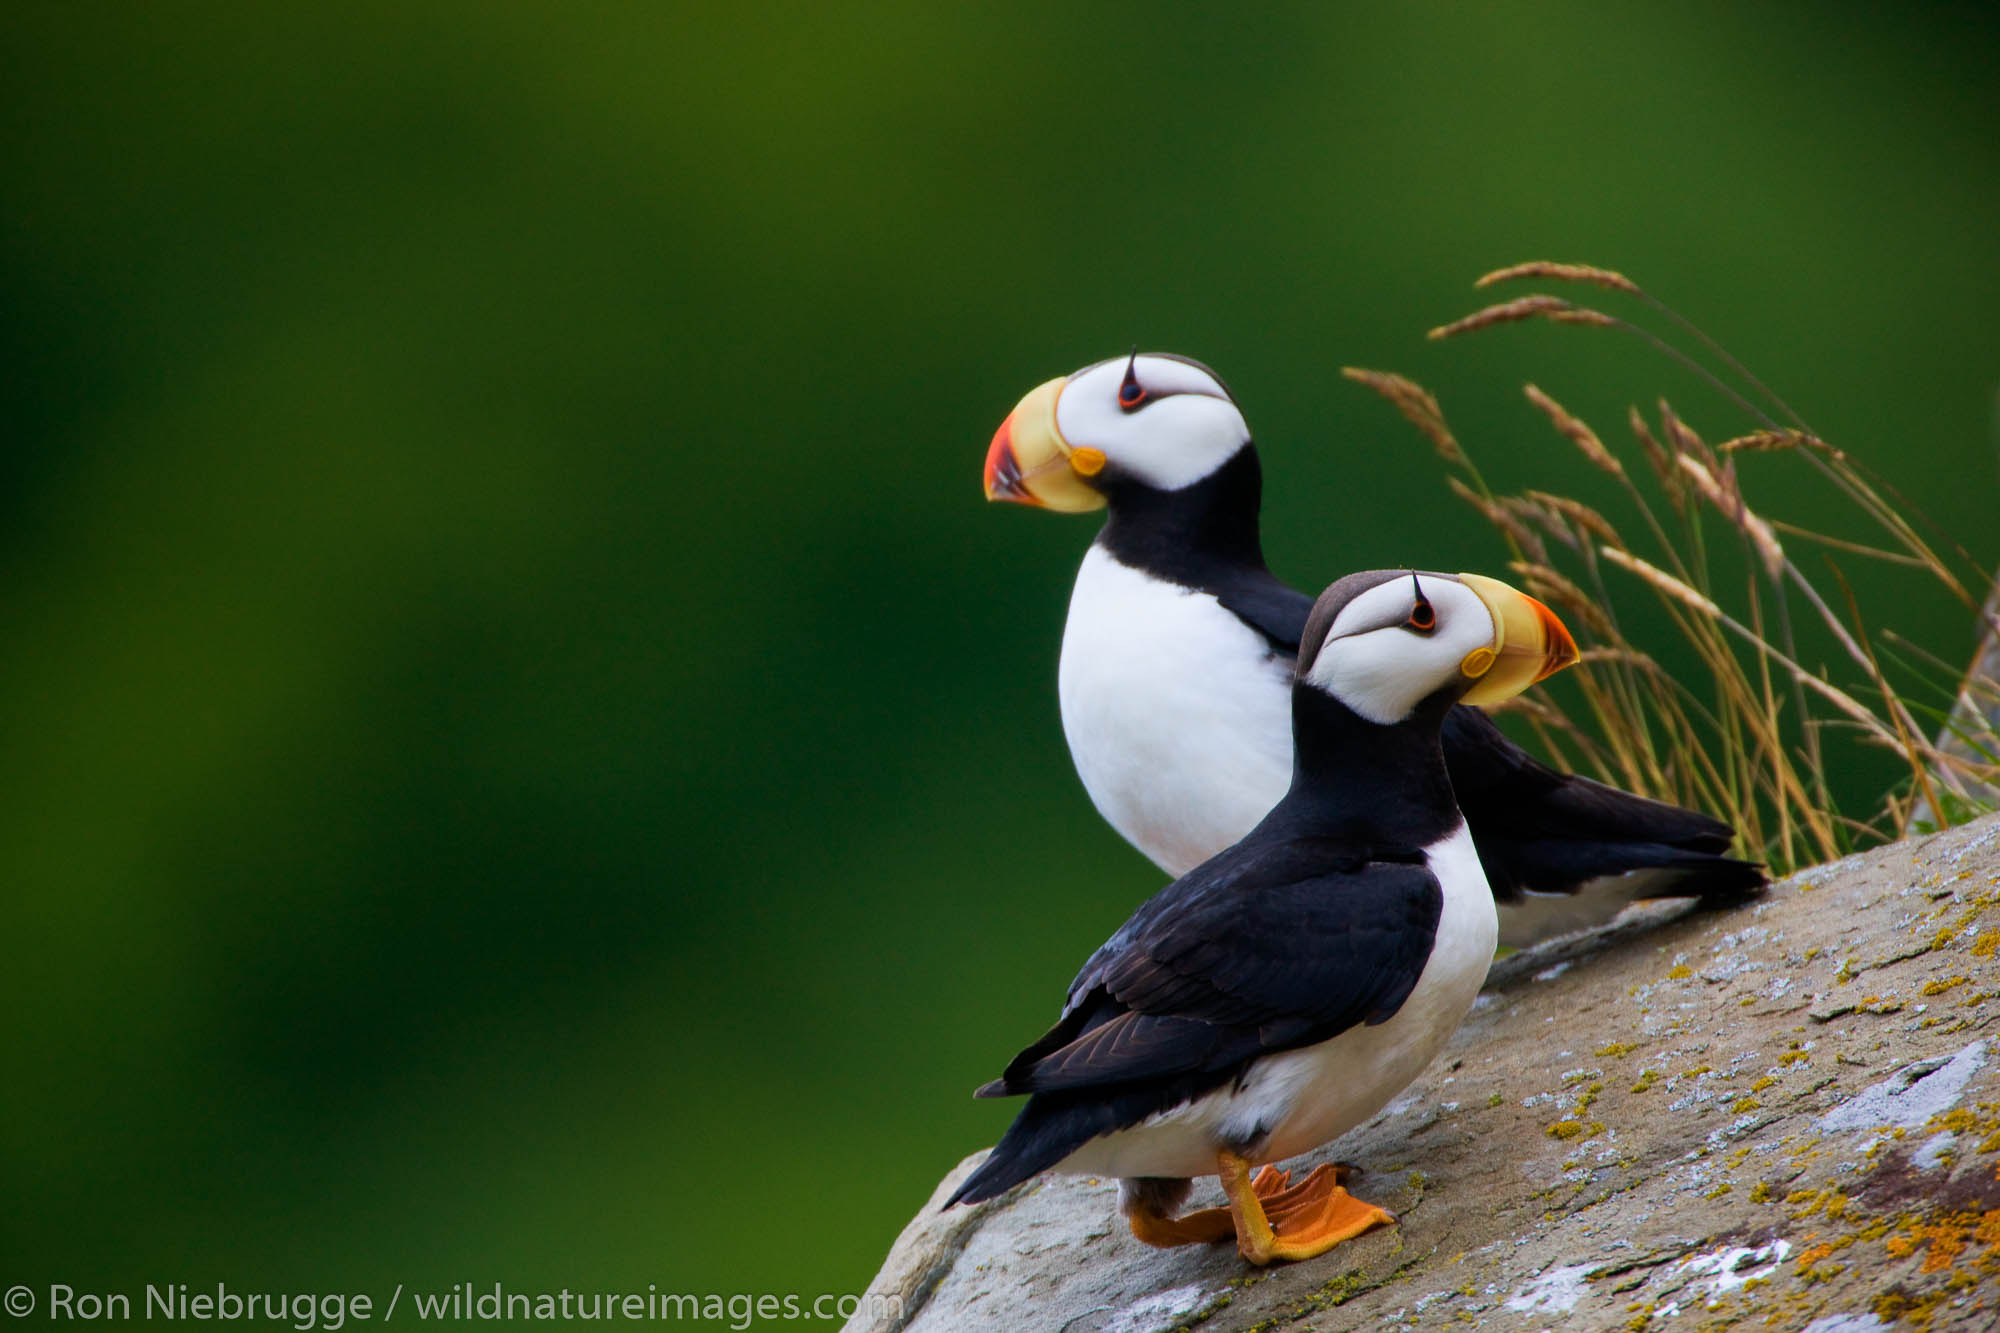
(1183,427)
(1380,662)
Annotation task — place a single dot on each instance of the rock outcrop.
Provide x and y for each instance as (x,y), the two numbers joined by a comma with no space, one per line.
(1784,1116)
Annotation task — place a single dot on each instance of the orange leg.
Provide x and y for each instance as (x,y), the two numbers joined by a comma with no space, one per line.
(1307,1219)
(1205,1226)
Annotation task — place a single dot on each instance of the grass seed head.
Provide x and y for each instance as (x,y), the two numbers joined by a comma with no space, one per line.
(1579,434)
(1543,268)
(1520,308)
(1416,404)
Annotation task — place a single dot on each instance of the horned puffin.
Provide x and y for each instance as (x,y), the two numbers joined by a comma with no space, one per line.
(1174,679)
(1284,990)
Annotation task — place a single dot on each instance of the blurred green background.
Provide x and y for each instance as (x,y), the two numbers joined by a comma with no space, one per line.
(527,758)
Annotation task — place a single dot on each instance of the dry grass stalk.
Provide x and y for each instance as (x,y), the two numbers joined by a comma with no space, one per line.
(1776,441)
(1579,513)
(1673,587)
(1683,437)
(1551,586)
(1582,436)
(1914,746)
(1622,655)
(1417,405)
(1841,544)
(1770,551)
(1543,268)
(1749,731)
(1661,461)
(1727,497)
(1763,441)
(1551,522)
(1518,535)
(1528,517)
(1520,308)
(1662,580)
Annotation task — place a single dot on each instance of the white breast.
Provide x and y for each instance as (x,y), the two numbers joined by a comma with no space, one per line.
(1311,1096)
(1178,715)
(1344,1081)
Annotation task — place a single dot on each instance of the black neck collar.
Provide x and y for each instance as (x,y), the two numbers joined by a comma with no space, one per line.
(1406,799)
(1184,536)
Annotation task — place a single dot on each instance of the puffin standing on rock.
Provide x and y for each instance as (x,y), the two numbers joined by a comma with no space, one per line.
(1177,656)
(1282,992)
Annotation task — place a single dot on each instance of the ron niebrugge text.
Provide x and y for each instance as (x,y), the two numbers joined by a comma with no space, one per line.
(331,1311)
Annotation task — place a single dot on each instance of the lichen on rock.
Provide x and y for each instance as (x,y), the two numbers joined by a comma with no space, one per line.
(1783,1116)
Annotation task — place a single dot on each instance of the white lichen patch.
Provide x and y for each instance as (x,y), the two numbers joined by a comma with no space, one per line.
(1161,1308)
(1911,1096)
(1750,937)
(1973,844)
(1845,1323)
(1556,1291)
(1937,1151)
(1719,1273)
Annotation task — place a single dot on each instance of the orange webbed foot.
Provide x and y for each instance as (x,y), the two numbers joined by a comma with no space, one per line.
(1297,1222)
(1205,1226)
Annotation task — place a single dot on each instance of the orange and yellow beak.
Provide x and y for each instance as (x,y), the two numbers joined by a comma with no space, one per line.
(1529,643)
(1030,463)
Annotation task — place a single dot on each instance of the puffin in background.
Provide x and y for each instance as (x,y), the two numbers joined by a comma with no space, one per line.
(1282,992)
(1177,661)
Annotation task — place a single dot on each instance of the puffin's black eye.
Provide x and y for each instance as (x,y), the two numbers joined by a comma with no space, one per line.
(1131,393)
(1423,617)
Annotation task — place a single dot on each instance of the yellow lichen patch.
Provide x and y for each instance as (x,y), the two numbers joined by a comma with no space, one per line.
(1830,1203)
(1877,1229)
(1564,1129)
(1647,1078)
(1790,1058)
(1762,1083)
(1985,943)
(1747,1104)
(1617,1050)
(1761,1192)
(1897,1305)
(1720,1190)
(1944,984)
(1947,1237)
(1679,972)
(1812,1254)
(1982,1119)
